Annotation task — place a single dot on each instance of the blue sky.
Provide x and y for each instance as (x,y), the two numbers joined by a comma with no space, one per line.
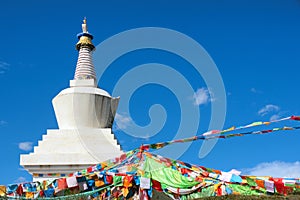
(254,44)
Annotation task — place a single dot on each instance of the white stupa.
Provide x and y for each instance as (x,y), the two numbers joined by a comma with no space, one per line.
(85,115)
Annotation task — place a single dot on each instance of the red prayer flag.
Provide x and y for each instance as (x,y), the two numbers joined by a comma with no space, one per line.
(89,169)
(20,190)
(62,183)
(295,118)
(109,179)
(156,185)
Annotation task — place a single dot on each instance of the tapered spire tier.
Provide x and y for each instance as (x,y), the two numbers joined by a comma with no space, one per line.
(85,68)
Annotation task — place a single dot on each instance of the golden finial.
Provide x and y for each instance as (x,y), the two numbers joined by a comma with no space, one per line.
(85,38)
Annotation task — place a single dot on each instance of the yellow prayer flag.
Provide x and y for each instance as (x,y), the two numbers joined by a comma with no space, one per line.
(2,190)
(29,195)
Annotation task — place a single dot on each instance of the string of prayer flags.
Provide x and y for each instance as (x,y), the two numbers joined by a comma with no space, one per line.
(215,134)
(139,174)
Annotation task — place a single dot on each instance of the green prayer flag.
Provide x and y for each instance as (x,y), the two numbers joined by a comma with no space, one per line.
(167,176)
(251,182)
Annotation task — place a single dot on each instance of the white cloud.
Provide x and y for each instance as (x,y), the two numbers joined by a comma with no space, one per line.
(21,179)
(25,146)
(268,109)
(275,169)
(254,90)
(3,67)
(275,117)
(123,121)
(2,122)
(202,96)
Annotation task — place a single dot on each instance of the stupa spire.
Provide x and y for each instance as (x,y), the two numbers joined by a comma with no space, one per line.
(85,68)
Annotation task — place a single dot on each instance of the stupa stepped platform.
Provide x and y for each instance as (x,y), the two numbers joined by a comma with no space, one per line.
(58,150)
(74,141)
(95,145)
